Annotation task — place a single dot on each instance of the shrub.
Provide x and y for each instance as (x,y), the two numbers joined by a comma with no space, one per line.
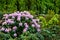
(19,22)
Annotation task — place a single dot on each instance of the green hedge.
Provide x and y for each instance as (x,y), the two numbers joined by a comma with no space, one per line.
(39,6)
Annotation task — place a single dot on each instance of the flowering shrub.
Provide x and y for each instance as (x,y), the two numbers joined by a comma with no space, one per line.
(19,22)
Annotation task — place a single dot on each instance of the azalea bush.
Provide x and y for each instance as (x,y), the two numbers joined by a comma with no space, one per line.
(13,30)
(19,22)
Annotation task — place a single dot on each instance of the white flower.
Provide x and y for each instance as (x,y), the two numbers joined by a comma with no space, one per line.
(38,30)
(20,24)
(33,25)
(15,34)
(4,23)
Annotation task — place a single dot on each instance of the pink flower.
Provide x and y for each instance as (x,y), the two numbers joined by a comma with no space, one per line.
(5,15)
(38,30)
(10,15)
(33,20)
(38,26)
(17,11)
(23,14)
(20,24)
(2,29)
(7,30)
(10,21)
(30,16)
(15,34)
(18,18)
(25,29)
(19,14)
(14,28)
(26,12)
(13,17)
(26,25)
(15,14)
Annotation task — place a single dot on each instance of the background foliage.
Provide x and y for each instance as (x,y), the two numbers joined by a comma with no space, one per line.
(48,11)
(38,6)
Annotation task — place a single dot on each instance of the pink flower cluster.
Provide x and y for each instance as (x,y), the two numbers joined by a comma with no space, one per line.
(8,30)
(5,29)
(18,14)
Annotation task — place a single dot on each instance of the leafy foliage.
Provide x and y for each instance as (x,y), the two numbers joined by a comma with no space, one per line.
(38,6)
(48,11)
